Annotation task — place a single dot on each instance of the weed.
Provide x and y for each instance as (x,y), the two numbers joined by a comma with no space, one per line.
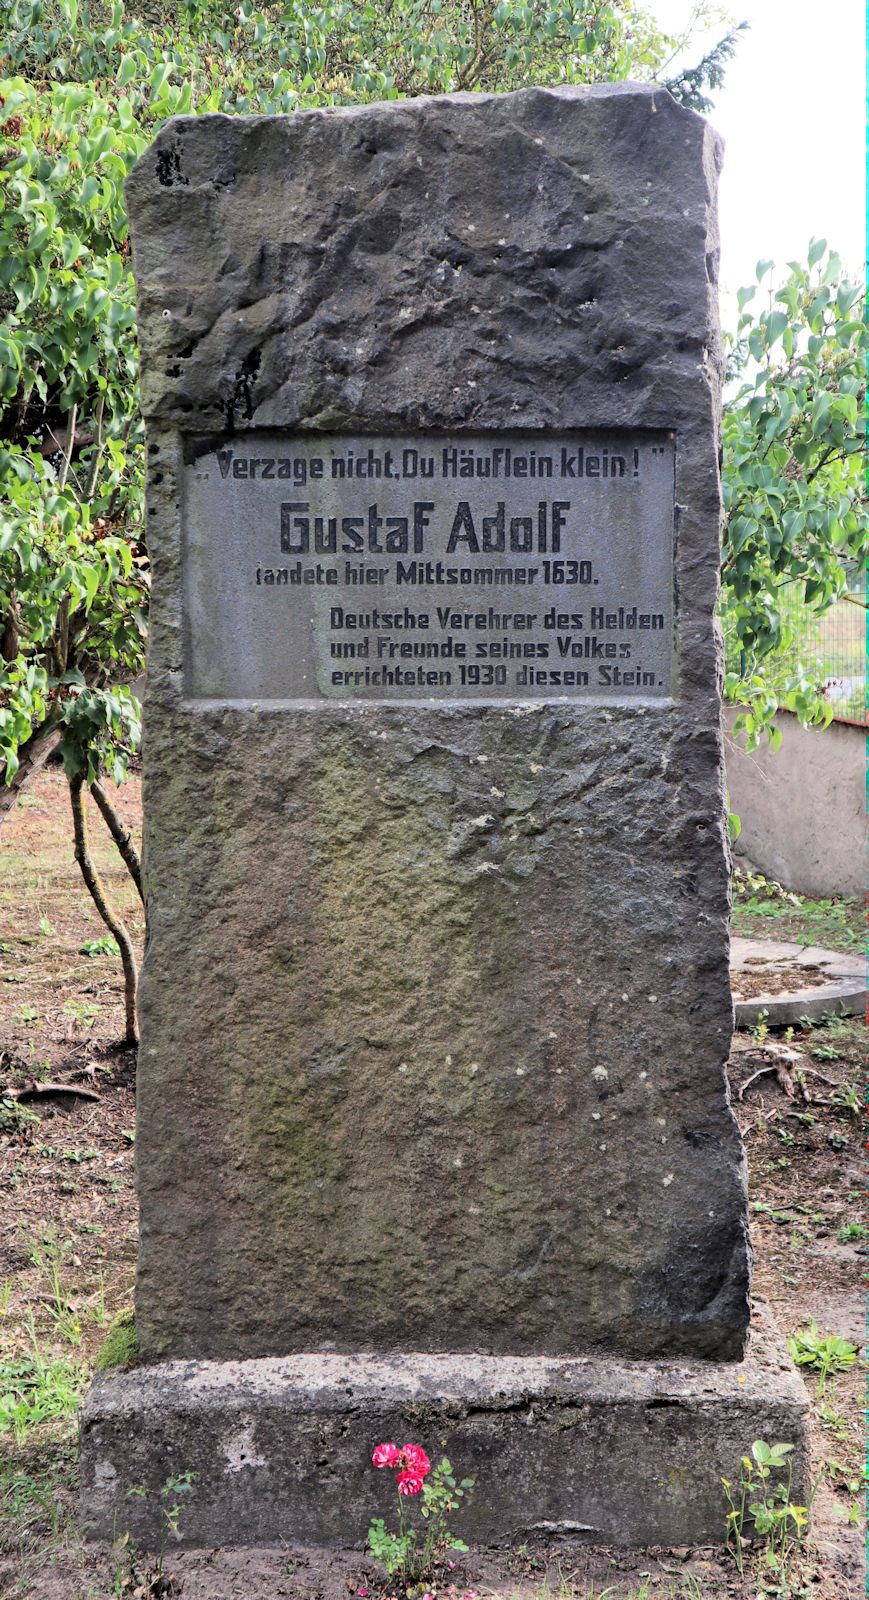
(170,1514)
(26,1014)
(841,1476)
(106,946)
(852,1233)
(108,1181)
(760,1028)
(825,1052)
(764,1504)
(171,1509)
(45,928)
(99,1313)
(836,1140)
(761,902)
(843,1481)
(852,1514)
(823,1353)
(756,892)
(848,1096)
(49,1255)
(834,1420)
(832,1021)
(16,1118)
(84,1012)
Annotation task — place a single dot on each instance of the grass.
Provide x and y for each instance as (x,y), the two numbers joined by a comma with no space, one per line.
(42,1375)
(30,1499)
(32,1503)
(763,909)
(38,1386)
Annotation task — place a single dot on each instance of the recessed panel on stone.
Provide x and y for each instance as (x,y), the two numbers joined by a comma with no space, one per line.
(492,566)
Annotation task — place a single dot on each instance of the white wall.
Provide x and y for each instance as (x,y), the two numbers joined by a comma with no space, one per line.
(803,809)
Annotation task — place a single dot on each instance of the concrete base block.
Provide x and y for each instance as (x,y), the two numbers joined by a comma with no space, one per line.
(600,1449)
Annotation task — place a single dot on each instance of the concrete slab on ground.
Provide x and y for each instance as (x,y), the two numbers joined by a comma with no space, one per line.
(789,981)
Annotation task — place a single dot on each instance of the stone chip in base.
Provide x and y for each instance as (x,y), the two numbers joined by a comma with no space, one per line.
(600,1449)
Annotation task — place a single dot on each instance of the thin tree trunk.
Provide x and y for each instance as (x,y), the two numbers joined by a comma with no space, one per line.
(70,445)
(121,835)
(98,449)
(98,895)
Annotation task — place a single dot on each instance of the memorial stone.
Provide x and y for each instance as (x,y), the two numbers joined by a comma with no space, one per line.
(433,1128)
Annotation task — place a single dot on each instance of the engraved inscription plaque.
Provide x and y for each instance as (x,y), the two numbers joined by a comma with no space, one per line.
(430,567)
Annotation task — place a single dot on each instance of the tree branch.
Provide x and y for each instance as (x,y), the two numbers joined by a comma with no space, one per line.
(32,756)
(9,638)
(830,451)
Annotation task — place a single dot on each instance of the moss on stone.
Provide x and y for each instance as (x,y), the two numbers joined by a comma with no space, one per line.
(120,1348)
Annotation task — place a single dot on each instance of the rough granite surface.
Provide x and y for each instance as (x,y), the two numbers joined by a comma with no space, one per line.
(435,1005)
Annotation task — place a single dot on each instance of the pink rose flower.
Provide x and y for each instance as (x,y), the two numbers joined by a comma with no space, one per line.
(416,1459)
(386,1455)
(409,1482)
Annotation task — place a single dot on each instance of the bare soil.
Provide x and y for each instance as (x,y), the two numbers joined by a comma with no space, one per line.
(68,1247)
(772,980)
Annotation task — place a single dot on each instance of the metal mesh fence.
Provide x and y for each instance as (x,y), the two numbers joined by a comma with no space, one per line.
(833,648)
